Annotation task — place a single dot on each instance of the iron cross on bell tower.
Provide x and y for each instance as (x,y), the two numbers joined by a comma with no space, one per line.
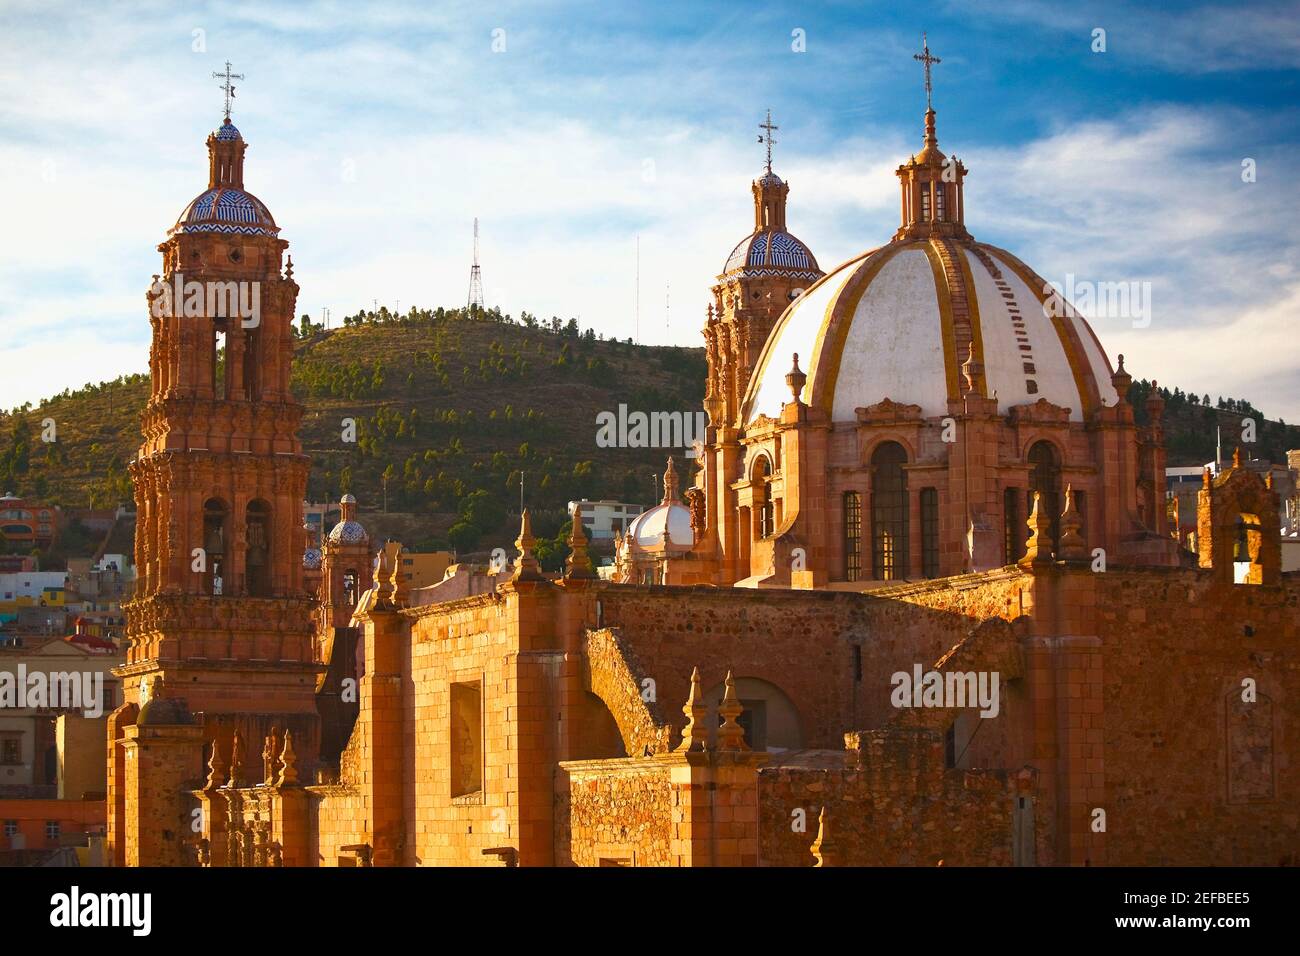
(766,137)
(925,57)
(227,86)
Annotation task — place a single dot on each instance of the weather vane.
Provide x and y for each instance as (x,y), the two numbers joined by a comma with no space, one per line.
(228,86)
(768,129)
(925,57)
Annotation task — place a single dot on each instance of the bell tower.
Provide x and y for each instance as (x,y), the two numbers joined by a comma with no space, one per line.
(763,275)
(220,617)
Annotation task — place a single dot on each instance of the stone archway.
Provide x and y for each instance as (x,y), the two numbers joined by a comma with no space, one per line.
(770,718)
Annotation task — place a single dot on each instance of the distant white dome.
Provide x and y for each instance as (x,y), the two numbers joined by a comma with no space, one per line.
(648,528)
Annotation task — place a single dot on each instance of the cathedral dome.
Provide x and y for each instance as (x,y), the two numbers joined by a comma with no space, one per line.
(648,528)
(771,254)
(226,209)
(888,323)
(225,206)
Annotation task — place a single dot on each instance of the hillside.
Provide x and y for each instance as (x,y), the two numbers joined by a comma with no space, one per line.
(450,407)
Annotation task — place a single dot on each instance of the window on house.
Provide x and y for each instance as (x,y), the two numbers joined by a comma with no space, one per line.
(888,512)
(930,532)
(11,827)
(11,749)
(852,536)
(51,830)
(466,738)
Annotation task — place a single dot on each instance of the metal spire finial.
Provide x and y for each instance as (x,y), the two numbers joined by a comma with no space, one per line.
(925,57)
(766,137)
(227,86)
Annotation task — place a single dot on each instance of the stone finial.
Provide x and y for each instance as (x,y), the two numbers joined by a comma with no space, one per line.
(395,588)
(383,574)
(795,379)
(731,736)
(1039,548)
(670,483)
(1072,547)
(288,268)
(270,751)
(526,567)
(236,779)
(824,848)
(1121,380)
(695,734)
(288,763)
(1236,457)
(577,566)
(1155,403)
(216,767)
(1207,480)
(971,371)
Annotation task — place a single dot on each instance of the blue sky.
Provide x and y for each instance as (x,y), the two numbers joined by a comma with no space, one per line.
(378,132)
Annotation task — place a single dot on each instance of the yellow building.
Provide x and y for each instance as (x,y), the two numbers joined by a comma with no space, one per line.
(420,569)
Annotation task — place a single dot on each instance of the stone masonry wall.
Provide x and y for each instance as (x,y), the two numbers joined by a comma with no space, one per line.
(613,810)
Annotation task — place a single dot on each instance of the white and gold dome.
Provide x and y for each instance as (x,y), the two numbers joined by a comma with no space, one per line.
(900,321)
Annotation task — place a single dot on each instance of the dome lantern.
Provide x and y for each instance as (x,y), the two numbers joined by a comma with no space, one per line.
(931,183)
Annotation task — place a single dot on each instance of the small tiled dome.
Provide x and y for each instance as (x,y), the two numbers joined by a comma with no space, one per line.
(772,253)
(226,130)
(311,559)
(226,209)
(348,532)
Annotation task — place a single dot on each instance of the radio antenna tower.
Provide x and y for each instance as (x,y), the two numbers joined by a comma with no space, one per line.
(475,275)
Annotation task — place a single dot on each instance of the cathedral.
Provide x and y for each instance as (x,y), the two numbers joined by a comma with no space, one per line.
(918,603)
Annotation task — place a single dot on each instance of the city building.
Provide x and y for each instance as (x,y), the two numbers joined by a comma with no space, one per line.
(27,524)
(922,604)
(605,519)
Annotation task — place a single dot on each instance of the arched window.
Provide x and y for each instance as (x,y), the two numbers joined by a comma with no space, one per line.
(852,536)
(1045,478)
(1015,533)
(1245,553)
(765,507)
(888,512)
(252,384)
(350,587)
(939,190)
(930,532)
(257,555)
(219,362)
(215,529)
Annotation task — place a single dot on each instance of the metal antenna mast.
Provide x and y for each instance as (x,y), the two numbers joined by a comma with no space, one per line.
(475,275)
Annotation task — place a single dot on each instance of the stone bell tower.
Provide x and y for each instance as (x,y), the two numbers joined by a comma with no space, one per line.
(220,622)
